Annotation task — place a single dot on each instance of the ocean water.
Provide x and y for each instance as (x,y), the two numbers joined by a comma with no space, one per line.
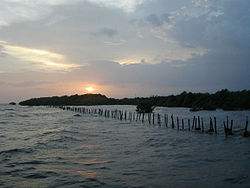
(49,147)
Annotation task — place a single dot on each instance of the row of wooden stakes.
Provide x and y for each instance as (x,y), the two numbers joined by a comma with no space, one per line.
(152,118)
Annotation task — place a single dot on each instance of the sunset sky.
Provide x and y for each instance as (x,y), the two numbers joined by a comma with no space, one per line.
(122,48)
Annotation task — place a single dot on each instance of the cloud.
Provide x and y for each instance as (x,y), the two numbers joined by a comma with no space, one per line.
(108,32)
(37,58)
(156,20)
(145,47)
(17,11)
(31,83)
(128,5)
(211,24)
(115,43)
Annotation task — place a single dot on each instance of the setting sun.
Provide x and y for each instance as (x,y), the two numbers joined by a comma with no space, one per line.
(89,89)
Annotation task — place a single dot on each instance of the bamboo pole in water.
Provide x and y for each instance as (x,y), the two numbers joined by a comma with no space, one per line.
(177,119)
(149,118)
(246,132)
(159,120)
(153,118)
(215,126)
(172,119)
(202,124)
(189,124)
(193,122)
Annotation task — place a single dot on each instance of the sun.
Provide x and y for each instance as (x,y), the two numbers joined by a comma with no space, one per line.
(90,89)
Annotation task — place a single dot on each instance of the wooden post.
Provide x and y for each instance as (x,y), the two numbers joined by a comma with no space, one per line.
(182,122)
(227,123)
(172,119)
(153,118)
(202,124)
(193,122)
(246,133)
(189,124)
(121,115)
(211,129)
(199,125)
(178,123)
(166,120)
(149,118)
(225,128)
(246,123)
(215,126)
(159,119)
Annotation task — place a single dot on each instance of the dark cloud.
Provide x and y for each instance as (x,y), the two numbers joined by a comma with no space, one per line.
(156,20)
(227,26)
(108,32)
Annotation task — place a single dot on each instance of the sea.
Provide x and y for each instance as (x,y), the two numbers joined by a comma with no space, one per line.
(50,147)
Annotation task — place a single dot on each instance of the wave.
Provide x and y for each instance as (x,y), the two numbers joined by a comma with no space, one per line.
(17,150)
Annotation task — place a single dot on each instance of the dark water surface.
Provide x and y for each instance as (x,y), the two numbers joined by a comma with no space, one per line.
(46,147)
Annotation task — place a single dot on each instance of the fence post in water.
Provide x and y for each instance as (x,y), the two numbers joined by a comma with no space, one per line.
(189,124)
(182,122)
(211,129)
(177,123)
(215,126)
(199,125)
(172,119)
(121,115)
(227,123)
(246,133)
(225,128)
(149,118)
(166,120)
(159,119)
(153,118)
(193,122)
(202,124)
(199,122)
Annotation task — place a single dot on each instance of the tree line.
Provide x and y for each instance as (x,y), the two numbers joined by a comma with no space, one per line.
(223,99)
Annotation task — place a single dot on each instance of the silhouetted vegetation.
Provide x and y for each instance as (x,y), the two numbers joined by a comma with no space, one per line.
(224,99)
(145,107)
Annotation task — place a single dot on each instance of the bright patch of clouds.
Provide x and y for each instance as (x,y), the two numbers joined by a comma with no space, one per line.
(117,43)
(37,58)
(126,5)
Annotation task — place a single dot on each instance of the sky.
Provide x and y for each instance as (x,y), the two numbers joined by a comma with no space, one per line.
(122,48)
